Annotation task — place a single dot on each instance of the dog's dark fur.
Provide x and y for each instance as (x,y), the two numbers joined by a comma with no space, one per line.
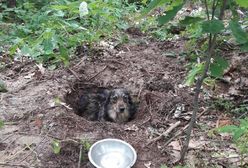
(107,105)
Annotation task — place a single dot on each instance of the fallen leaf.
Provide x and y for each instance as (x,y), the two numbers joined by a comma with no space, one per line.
(38,122)
(29,76)
(41,68)
(132,128)
(175,145)
(148,165)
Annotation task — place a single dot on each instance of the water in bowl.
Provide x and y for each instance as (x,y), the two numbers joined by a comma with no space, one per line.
(114,160)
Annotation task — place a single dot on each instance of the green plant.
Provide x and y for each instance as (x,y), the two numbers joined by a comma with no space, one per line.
(2,86)
(211,25)
(56,28)
(240,109)
(56,147)
(223,105)
(84,148)
(86,144)
(1,123)
(239,135)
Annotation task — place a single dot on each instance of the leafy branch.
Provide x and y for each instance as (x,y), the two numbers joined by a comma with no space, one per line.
(210,54)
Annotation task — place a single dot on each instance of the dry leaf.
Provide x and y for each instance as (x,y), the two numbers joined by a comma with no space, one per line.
(148,165)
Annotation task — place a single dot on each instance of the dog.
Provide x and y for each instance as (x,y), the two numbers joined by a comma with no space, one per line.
(114,105)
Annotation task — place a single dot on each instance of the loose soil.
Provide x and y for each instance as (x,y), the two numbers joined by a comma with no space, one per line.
(36,114)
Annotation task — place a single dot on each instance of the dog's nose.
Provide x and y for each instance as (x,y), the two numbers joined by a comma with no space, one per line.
(122,109)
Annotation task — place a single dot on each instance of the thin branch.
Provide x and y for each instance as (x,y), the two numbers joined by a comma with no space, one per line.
(207,11)
(97,73)
(80,156)
(166,133)
(74,73)
(213,8)
(200,80)
(13,165)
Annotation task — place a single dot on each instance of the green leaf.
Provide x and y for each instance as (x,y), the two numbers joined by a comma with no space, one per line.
(238,133)
(56,146)
(169,14)
(153,4)
(239,34)
(13,48)
(48,46)
(218,66)
(1,124)
(3,86)
(26,50)
(197,69)
(242,3)
(244,123)
(64,55)
(244,47)
(86,144)
(212,26)
(228,129)
(190,20)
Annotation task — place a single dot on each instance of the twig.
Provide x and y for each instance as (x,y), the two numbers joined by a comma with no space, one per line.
(115,61)
(35,147)
(210,53)
(74,73)
(2,140)
(13,164)
(182,130)
(80,155)
(97,73)
(207,11)
(166,133)
(18,152)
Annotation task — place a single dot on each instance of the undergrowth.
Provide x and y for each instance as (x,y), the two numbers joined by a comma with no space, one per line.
(49,31)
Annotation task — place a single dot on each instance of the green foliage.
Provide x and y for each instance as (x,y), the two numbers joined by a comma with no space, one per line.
(240,35)
(223,105)
(152,5)
(239,134)
(218,66)
(170,14)
(196,70)
(1,124)
(2,86)
(190,20)
(56,146)
(212,26)
(242,3)
(240,109)
(86,144)
(56,28)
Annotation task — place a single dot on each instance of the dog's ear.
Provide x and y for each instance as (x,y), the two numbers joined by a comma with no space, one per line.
(132,107)
(130,101)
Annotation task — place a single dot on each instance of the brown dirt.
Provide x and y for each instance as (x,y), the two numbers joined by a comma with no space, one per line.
(35,115)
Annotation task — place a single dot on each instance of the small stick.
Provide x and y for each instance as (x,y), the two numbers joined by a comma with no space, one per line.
(13,164)
(166,133)
(97,73)
(74,73)
(115,61)
(182,130)
(80,155)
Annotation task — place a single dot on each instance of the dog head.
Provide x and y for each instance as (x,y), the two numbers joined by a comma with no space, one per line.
(119,106)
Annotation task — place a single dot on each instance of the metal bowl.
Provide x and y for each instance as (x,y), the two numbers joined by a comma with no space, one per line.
(112,153)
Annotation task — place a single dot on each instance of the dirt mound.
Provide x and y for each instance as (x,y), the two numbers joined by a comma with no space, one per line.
(36,114)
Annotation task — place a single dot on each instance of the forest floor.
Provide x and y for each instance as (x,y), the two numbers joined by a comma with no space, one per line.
(35,112)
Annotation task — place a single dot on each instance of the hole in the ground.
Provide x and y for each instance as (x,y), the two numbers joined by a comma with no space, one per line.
(101,103)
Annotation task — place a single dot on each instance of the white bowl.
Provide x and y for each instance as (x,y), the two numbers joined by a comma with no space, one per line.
(112,153)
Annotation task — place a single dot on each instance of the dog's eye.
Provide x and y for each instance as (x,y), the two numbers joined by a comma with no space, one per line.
(125,98)
(114,98)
